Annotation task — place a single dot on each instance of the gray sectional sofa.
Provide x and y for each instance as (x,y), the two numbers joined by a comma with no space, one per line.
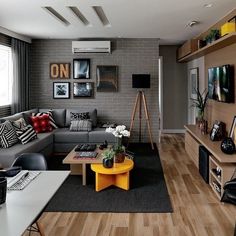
(60,140)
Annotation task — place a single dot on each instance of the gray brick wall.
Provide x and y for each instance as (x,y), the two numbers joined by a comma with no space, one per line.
(130,55)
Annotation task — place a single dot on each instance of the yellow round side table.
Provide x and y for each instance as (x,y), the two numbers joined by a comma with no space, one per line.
(118,175)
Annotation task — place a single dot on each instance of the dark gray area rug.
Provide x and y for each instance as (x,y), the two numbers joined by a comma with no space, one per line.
(148,192)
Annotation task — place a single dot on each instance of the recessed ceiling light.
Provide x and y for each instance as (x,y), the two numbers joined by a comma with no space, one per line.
(208,5)
(192,23)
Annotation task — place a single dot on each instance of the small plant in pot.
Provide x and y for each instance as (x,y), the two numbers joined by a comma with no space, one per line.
(108,158)
(200,103)
(119,153)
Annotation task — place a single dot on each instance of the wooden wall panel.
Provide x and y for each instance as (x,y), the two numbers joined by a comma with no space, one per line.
(217,110)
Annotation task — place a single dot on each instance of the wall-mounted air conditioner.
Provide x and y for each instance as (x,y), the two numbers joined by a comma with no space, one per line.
(91,46)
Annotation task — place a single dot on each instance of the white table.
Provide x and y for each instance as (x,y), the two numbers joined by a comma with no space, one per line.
(24,206)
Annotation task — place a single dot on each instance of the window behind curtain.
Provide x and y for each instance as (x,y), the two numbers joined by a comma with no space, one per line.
(5,75)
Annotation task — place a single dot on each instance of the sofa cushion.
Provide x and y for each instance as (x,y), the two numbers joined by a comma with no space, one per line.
(59,116)
(64,135)
(92,115)
(28,114)
(81,125)
(98,135)
(19,124)
(51,119)
(41,123)
(7,156)
(26,134)
(79,116)
(8,135)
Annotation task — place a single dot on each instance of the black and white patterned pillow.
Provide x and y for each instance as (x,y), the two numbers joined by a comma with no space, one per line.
(81,125)
(26,134)
(79,116)
(51,120)
(8,135)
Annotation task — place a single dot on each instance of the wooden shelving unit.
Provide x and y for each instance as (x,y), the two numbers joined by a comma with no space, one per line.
(226,163)
(226,171)
(216,45)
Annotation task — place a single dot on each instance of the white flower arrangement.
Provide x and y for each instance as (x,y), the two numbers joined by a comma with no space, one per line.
(119,132)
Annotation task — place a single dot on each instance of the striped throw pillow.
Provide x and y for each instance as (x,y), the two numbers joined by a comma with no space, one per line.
(26,134)
(51,120)
(8,135)
(81,125)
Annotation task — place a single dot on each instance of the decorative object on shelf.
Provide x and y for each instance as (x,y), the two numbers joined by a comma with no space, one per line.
(3,190)
(212,36)
(232,133)
(200,103)
(227,146)
(83,90)
(61,90)
(107,78)
(217,131)
(108,158)
(60,70)
(194,81)
(201,43)
(228,27)
(119,132)
(81,68)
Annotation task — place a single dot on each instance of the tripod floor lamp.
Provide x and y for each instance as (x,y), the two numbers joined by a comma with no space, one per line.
(140,81)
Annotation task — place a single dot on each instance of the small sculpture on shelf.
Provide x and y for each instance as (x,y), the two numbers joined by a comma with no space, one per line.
(228,146)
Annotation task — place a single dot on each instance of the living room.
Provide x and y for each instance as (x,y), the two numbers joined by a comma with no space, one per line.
(118,78)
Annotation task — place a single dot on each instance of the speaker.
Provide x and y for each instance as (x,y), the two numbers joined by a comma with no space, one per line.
(203,163)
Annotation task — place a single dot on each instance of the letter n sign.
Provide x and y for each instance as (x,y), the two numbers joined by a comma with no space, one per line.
(60,70)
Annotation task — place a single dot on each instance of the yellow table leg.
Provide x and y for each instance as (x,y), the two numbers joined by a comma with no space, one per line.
(122,181)
(103,181)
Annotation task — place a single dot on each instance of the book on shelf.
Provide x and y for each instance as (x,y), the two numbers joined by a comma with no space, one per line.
(86,155)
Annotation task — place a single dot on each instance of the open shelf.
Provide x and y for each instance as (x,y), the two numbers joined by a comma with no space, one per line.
(216,45)
(216,192)
(215,177)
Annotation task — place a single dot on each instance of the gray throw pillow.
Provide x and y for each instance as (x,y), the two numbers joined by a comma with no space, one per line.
(81,125)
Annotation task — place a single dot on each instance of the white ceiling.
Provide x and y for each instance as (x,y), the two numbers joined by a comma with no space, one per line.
(164,19)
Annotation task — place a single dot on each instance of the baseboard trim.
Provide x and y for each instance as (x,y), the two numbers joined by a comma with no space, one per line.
(173,131)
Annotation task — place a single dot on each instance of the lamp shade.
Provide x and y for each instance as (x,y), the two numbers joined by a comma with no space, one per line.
(141,81)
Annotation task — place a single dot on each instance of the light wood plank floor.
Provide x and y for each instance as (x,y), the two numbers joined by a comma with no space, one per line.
(197,211)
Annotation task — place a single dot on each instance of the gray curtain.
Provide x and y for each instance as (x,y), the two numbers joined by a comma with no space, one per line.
(20,89)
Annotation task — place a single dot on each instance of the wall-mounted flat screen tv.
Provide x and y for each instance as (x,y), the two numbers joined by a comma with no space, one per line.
(221,83)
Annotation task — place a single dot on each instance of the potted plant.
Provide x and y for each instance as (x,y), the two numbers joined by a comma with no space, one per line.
(119,132)
(108,158)
(200,103)
(119,153)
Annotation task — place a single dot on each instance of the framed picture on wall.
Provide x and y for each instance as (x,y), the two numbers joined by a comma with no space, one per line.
(232,133)
(61,90)
(81,68)
(107,78)
(194,82)
(83,90)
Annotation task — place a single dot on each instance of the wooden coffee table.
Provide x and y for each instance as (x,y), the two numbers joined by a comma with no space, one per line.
(78,166)
(118,175)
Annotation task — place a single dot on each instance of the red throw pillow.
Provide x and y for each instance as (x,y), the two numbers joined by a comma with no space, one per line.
(41,123)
